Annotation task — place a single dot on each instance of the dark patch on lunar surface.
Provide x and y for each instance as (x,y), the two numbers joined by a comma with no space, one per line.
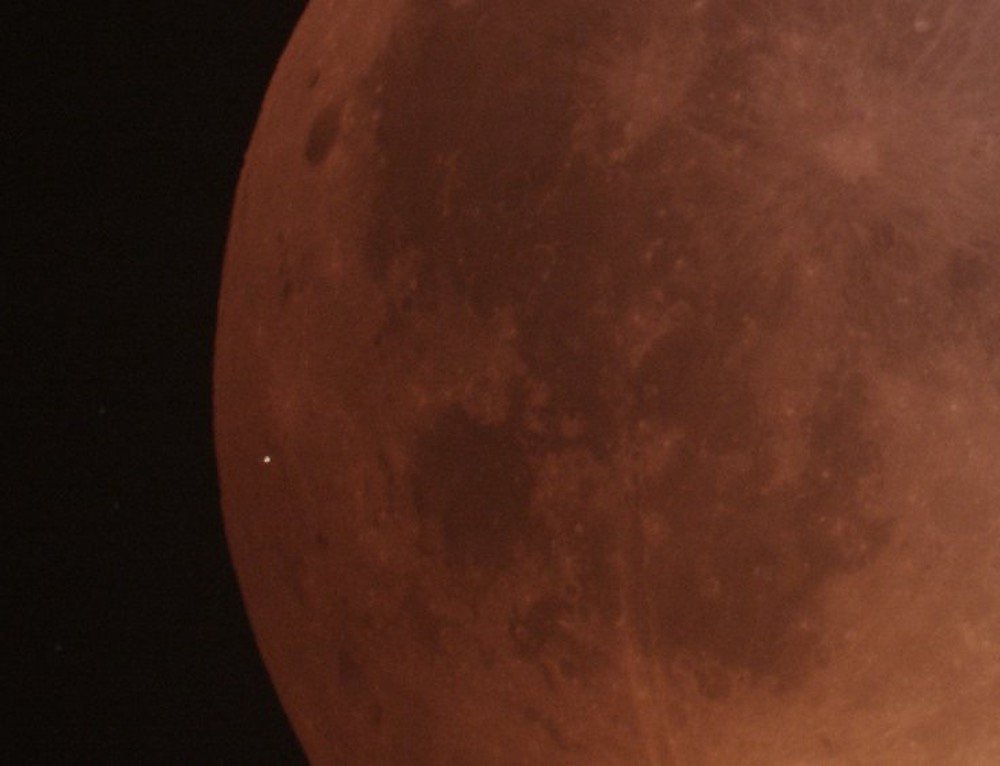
(495,203)
(474,483)
(349,672)
(743,563)
(967,274)
(323,133)
(422,622)
(488,194)
(492,136)
(973,283)
(875,271)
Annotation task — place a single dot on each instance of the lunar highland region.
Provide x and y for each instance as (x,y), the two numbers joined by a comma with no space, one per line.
(617,382)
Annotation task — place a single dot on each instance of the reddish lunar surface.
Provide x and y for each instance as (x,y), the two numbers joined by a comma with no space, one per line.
(618,382)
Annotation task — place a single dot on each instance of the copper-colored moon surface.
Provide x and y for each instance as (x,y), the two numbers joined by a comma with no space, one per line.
(618,382)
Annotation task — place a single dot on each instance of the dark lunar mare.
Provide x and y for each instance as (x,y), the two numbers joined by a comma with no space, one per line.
(484,185)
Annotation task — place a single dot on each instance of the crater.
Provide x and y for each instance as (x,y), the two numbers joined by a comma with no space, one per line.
(323,134)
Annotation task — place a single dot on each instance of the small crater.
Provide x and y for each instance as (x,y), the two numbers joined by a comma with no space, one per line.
(323,134)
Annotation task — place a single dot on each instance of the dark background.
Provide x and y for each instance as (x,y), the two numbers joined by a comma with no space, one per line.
(124,130)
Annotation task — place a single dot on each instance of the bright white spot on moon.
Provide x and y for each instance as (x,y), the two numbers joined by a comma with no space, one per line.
(266,459)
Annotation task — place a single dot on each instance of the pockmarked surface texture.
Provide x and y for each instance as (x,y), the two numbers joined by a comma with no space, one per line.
(618,382)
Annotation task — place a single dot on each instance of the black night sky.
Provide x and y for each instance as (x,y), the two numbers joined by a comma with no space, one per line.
(125,126)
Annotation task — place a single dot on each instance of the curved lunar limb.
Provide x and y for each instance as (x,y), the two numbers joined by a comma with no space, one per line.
(618,382)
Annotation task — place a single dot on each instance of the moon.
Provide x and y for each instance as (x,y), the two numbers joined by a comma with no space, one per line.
(618,382)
